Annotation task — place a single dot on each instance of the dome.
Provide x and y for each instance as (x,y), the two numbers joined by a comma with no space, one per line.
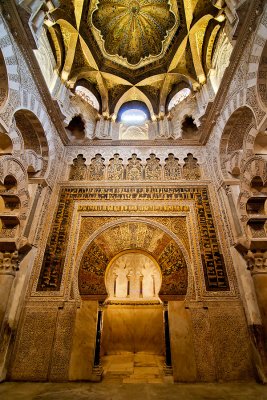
(134,29)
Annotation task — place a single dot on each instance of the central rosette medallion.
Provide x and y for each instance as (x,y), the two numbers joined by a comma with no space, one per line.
(135,29)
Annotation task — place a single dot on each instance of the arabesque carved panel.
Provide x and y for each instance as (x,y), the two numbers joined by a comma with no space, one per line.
(55,253)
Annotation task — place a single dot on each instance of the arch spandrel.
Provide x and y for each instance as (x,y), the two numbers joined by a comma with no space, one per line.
(130,236)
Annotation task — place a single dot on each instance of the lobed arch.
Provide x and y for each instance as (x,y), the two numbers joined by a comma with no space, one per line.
(257,67)
(14,181)
(3,81)
(233,139)
(9,73)
(254,171)
(253,191)
(35,144)
(262,77)
(177,88)
(84,83)
(102,238)
(6,144)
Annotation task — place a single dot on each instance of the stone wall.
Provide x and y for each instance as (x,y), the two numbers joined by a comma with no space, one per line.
(209,342)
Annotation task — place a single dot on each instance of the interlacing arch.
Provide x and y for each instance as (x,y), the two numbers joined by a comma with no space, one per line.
(34,140)
(233,138)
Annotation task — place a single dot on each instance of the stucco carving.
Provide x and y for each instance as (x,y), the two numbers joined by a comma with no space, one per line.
(257,261)
(8,263)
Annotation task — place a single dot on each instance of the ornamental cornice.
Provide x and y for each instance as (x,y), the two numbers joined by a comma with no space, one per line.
(139,143)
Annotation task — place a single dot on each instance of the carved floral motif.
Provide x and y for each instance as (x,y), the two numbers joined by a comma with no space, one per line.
(191,168)
(97,168)
(172,168)
(115,168)
(134,168)
(78,169)
(153,168)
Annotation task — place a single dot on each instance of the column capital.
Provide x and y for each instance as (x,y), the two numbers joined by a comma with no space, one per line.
(228,189)
(9,263)
(257,261)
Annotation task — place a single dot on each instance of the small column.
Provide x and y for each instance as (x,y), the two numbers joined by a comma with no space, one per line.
(257,264)
(168,357)
(33,210)
(164,131)
(98,370)
(232,206)
(103,128)
(115,285)
(153,285)
(141,277)
(128,284)
(8,268)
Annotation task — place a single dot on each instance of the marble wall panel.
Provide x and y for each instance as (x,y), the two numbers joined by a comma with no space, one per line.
(83,346)
(182,345)
(133,328)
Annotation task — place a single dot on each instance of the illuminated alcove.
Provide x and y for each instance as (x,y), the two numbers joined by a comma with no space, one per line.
(133,276)
(133,315)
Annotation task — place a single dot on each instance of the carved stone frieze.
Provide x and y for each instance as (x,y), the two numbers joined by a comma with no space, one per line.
(135,170)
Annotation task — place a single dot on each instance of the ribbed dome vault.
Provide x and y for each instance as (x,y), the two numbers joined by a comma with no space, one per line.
(134,29)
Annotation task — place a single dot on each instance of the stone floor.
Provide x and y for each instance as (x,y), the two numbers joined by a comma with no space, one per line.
(124,391)
(131,376)
(134,368)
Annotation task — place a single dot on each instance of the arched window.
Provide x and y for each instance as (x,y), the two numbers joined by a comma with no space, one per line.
(178,97)
(88,96)
(133,113)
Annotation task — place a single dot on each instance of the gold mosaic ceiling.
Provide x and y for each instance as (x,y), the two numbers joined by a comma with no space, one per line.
(142,50)
(134,30)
